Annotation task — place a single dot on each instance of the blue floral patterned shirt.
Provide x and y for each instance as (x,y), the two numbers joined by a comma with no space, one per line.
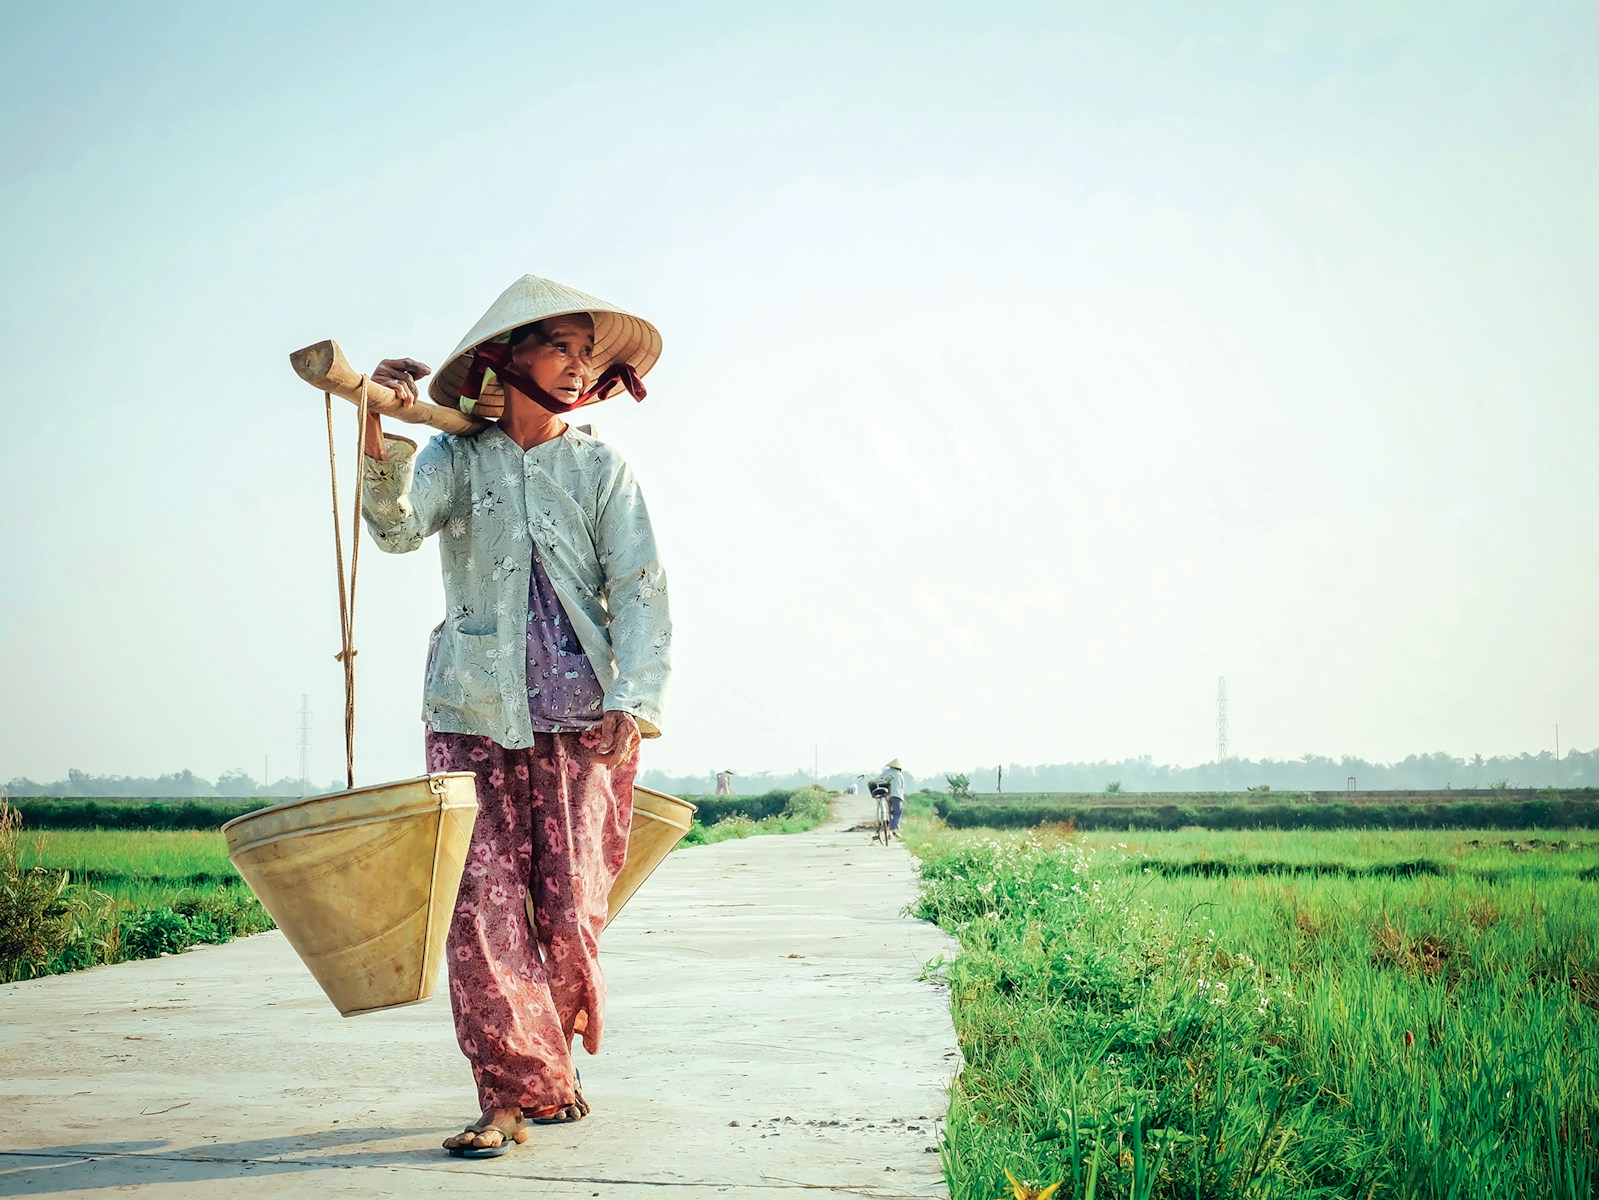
(492,503)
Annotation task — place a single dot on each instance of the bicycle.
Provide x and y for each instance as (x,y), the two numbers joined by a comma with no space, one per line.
(880,832)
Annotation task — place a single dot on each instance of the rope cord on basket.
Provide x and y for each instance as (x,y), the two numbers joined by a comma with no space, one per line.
(347,595)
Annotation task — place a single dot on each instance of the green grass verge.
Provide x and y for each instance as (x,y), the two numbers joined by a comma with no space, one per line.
(803,809)
(1134,1033)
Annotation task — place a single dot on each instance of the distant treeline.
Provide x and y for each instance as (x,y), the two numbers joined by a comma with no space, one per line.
(179,785)
(1313,772)
(1567,809)
(756,783)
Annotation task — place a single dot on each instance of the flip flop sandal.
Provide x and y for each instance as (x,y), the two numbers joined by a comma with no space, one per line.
(507,1140)
(561,1114)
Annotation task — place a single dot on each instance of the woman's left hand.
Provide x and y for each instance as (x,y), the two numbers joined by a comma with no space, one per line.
(619,739)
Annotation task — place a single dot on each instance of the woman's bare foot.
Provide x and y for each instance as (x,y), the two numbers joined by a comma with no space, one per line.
(494,1128)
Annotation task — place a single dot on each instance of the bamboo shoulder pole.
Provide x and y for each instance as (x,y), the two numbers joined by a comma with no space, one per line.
(325,368)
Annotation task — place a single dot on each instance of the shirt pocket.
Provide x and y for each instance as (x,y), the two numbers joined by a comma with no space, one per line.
(461,688)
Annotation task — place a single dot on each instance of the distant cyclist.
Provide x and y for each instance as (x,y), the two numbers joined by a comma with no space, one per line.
(894,772)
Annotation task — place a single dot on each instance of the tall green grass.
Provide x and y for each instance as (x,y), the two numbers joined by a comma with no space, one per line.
(1134,1033)
(92,854)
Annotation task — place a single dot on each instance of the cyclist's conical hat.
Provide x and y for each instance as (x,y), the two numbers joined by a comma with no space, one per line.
(896,764)
(619,336)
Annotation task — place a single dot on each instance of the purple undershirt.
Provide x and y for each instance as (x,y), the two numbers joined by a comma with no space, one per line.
(563,696)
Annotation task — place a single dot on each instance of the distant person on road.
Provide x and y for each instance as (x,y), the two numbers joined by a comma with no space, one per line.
(724,783)
(894,772)
(549,666)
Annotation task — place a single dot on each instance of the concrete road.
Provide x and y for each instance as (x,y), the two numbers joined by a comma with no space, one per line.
(768,1034)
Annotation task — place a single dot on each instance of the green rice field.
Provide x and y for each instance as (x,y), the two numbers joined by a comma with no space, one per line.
(110,856)
(1488,855)
(1271,1014)
(74,898)
(145,870)
(71,899)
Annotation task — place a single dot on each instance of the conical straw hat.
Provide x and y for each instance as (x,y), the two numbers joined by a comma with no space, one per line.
(619,336)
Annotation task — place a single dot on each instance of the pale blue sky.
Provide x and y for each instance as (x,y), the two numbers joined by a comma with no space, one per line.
(1028,366)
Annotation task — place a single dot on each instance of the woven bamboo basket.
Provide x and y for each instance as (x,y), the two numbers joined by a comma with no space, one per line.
(659,823)
(362,882)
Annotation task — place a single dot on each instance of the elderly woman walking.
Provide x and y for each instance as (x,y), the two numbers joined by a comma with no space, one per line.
(550,665)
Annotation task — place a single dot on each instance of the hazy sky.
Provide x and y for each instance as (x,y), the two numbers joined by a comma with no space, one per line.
(1027,366)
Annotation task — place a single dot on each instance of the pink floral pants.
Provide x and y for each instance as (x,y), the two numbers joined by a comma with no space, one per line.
(553,822)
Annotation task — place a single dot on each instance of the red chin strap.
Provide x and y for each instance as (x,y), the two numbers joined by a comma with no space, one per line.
(498,356)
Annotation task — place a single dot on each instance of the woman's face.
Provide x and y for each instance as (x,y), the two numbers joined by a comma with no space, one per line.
(559,355)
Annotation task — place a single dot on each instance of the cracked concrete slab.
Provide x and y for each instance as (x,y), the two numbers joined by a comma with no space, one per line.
(768,1031)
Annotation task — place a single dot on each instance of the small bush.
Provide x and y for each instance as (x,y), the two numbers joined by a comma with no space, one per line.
(203,928)
(809,804)
(36,920)
(231,912)
(155,932)
(734,825)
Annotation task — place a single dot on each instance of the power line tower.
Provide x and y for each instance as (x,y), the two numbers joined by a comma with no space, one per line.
(1221,728)
(305,743)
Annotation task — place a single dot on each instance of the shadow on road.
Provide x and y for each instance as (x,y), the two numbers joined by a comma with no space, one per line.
(91,1165)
